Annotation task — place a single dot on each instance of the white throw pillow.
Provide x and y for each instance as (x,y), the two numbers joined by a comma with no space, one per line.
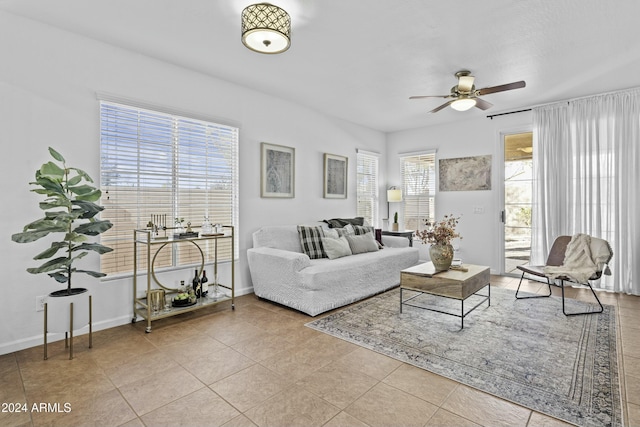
(362,243)
(336,248)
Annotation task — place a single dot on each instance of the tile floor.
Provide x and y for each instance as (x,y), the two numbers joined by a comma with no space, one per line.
(259,365)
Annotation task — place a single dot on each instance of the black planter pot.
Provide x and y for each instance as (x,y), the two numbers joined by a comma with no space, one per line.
(67,292)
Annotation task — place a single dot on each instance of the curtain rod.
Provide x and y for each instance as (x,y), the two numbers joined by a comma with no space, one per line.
(491,116)
(631,89)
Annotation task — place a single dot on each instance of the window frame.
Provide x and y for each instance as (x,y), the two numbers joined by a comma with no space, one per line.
(414,191)
(368,192)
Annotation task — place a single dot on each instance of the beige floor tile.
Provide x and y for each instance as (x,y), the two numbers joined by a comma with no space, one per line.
(337,384)
(384,405)
(12,394)
(292,407)
(250,387)
(634,415)
(113,353)
(139,367)
(8,362)
(444,418)
(218,365)
(201,408)
(420,383)
(136,422)
(369,362)
(265,347)
(239,421)
(632,366)
(633,389)
(193,348)
(344,420)
(541,420)
(485,409)
(109,409)
(155,391)
(63,380)
(232,331)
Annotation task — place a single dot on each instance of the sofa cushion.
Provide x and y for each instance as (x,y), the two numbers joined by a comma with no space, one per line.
(341,222)
(336,248)
(362,243)
(311,241)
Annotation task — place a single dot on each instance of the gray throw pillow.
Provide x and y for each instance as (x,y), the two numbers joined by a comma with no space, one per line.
(362,243)
(336,248)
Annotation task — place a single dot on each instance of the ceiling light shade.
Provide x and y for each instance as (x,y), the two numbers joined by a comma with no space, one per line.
(463,103)
(266,28)
(394,195)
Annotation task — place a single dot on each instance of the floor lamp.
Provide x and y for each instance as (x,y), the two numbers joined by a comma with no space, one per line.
(394,195)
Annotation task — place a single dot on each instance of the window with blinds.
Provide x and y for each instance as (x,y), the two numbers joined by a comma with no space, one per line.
(158,165)
(367,191)
(418,189)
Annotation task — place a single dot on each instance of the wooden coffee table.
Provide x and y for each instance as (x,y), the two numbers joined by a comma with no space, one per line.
(455,284)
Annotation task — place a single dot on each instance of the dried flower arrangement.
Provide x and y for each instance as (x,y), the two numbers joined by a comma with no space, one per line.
(440,232)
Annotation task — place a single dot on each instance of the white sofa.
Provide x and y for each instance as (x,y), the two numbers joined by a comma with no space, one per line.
(282,273)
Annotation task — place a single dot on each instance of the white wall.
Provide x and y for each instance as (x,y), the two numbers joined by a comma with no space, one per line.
(48,84)
(466,137)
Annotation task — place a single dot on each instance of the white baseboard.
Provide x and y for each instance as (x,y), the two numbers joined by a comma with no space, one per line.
(36,340)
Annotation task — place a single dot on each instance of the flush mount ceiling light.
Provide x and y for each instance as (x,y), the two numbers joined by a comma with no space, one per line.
(266,28)
(463,103)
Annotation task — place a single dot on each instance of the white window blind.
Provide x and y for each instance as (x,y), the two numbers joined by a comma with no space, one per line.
(154,163)
(418,189)
(367,191)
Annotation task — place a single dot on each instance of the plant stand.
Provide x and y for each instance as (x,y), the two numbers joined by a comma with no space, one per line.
(61,323)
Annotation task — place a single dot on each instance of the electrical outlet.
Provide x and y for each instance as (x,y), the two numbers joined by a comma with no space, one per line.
(40,300)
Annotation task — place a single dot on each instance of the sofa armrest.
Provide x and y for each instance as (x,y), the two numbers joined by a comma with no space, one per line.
(272,266)
(395,241)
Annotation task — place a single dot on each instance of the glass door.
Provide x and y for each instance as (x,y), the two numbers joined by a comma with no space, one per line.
(518,188)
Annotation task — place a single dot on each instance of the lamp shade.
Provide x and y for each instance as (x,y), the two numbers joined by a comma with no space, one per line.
(463,103)
(394,195)
(266,28)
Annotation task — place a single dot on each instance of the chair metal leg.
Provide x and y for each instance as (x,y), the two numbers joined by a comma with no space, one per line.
(532,296)
(581,312)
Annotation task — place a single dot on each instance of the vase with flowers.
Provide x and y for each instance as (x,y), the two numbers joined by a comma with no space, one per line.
(439,235)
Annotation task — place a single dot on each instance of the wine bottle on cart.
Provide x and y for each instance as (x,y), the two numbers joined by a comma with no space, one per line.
(196,285)
(204,285)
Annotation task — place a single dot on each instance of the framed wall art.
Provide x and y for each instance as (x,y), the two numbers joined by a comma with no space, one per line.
(335,176)
(277,171)
(465,173)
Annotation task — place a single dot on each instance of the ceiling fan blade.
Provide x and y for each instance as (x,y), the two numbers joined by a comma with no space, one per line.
(501,88)
(465,83)
(482,104)
(446,104)
(430,96)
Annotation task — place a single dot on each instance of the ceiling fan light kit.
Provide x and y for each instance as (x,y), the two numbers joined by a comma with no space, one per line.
(465,95)
(266,28)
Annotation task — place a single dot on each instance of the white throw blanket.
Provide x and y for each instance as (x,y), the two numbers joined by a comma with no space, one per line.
(581,260)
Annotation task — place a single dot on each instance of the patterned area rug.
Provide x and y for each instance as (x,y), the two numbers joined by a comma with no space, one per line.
(524,351)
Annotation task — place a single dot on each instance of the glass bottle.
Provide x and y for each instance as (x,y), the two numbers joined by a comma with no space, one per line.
(196,285)
(204,286)
(206,228)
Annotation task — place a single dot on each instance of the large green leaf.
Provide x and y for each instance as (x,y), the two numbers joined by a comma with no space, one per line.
(59,276)
(46,224)
(49,184)
(75,237)
(82,189)
(96,247)
(74,181)
(56,155)
(90,209)
(54,203)
(91,273)
(54,264)
(55,247)
(83,174)
(28,236)
(90,197)
(93,228)
(52,171)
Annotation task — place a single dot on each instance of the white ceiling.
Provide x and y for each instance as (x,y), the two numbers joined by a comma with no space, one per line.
(360,60)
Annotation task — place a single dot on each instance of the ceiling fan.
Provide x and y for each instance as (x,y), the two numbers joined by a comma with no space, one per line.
(465,95)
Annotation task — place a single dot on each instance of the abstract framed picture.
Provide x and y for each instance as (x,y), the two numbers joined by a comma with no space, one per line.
(277,171)
(465,173)
(335,176)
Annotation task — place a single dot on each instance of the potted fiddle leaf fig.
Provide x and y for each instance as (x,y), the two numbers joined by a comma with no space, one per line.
(70,213)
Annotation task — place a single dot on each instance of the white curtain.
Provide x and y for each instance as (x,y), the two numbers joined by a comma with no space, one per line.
(586,176)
